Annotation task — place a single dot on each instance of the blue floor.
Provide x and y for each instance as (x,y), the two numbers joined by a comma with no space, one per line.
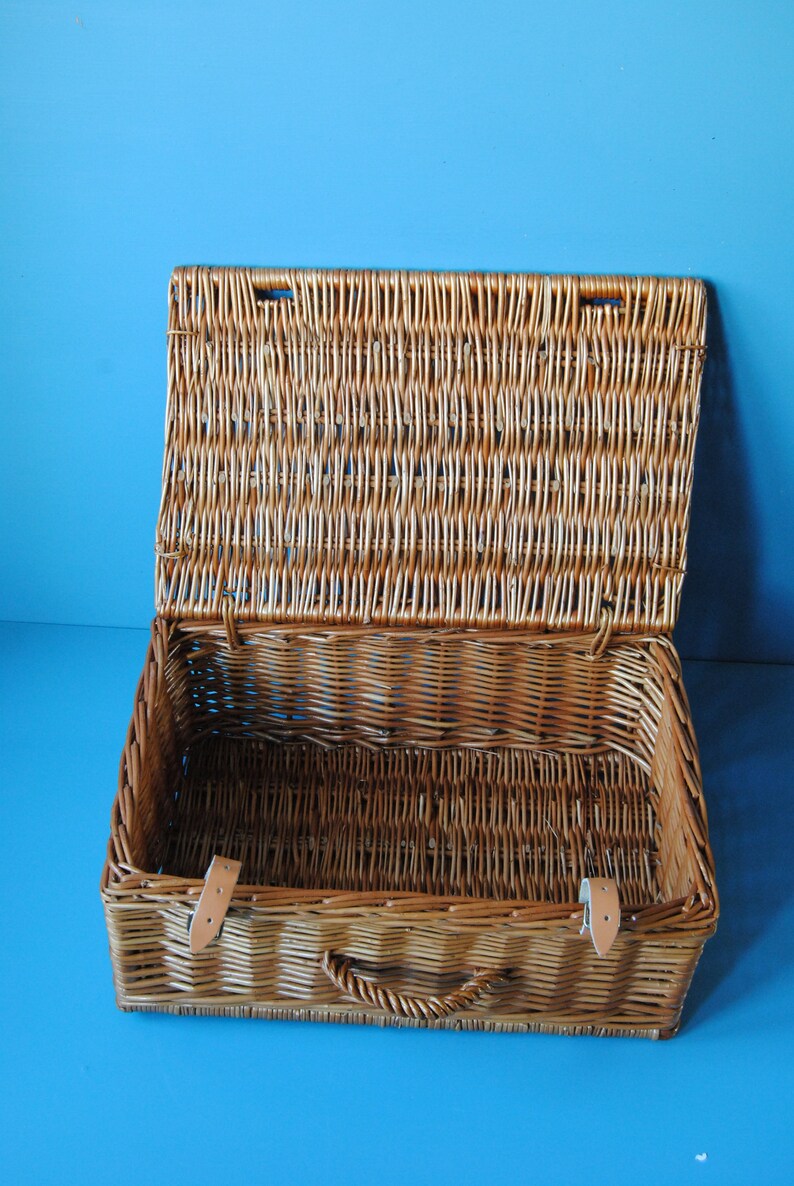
(91,1095)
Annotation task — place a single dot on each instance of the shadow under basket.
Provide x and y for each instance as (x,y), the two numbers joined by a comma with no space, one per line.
(414,812)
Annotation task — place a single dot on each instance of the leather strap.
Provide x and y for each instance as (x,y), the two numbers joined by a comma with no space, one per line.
(219,882)
(601,911)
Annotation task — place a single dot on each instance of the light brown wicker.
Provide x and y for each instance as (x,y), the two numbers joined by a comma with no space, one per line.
(419,552)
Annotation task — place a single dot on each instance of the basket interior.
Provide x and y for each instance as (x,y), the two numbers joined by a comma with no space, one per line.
(501,824)
(440,763)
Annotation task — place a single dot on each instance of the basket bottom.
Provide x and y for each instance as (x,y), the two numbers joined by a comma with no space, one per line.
(343,1015)
(503,823)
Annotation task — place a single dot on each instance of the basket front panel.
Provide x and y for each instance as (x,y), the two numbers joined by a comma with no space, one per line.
(435,449)
(544,973)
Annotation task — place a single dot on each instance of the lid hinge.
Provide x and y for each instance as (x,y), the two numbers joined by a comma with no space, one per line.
(603,635)
(229,624)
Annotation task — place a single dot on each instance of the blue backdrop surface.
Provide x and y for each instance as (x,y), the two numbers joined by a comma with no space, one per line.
(514,136)
(90,1096)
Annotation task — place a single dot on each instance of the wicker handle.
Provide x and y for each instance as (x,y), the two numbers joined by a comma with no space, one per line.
(369,992)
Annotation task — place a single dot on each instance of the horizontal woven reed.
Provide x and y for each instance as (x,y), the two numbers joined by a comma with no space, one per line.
(581,766)
(421,448)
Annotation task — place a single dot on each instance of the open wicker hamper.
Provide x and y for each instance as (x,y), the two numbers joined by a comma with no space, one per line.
(411,705)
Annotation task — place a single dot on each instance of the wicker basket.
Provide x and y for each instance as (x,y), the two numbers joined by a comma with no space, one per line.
(411,744)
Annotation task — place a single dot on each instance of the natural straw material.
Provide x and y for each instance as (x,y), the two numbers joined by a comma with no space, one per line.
(395,448)
(421,542)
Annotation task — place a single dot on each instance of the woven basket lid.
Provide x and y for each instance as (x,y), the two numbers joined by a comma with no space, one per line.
(425,448)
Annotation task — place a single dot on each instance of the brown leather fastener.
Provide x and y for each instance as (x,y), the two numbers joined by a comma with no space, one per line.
(601,911)
(369,992)
(219,882)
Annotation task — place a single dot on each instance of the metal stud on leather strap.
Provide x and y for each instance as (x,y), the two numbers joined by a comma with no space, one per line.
(206,922)
(601,911)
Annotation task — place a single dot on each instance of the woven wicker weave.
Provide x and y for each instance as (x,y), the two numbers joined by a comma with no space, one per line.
(420,548)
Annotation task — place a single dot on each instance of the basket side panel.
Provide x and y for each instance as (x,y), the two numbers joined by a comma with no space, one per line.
(687,863)
(429,688)
(150,771)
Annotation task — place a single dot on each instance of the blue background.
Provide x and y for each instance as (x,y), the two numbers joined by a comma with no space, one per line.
(651,137)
